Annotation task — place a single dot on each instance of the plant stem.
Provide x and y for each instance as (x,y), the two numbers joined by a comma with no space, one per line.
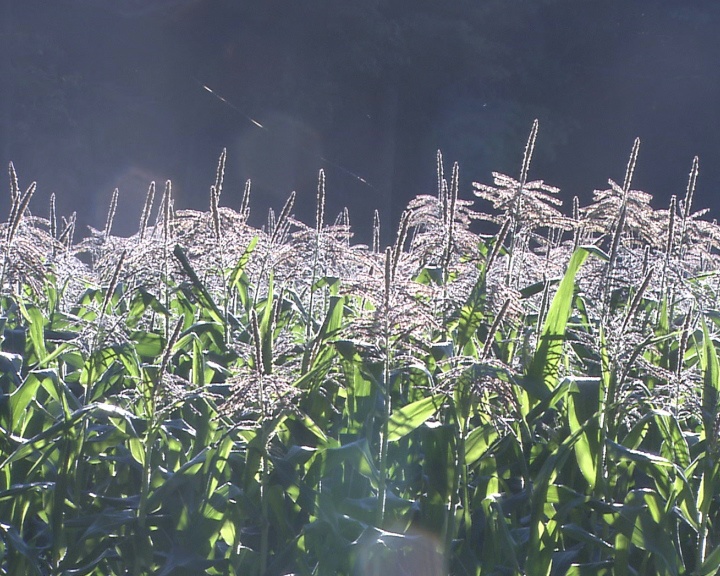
(382,485)
(264,520)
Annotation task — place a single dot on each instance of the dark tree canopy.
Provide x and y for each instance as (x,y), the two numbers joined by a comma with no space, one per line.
(99,94)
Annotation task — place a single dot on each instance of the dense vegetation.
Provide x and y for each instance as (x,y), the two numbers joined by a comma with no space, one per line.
(208,397)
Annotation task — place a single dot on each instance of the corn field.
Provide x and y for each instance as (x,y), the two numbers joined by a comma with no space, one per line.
(208,397)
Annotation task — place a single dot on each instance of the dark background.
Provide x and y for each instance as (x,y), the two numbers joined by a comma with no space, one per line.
(98,94)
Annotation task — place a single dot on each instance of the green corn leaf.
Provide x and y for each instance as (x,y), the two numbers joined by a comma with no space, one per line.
(502,542)
(141,302)
(711,566)
(622,555)
(542,534)
(684,497)
(708,482)
(36,332)
(365,509)
(356,455)
(582,406)
(316,431)
(711,385)
(553,401)
(464,390)
(675,447)
(542,375)
(147,344)
(185,474)
(333,318)
(48,436)
(639,456)
(106,523)
(409,417)
(60,350)
(565,496)
(198,363)
(439,466)
(265,317)
(18,490)
(209,304)
(478,442)
(216,465)
(137,449)
(236,279)
(11,367)
(537,287)
(575,532)
(30,564)
(650,531)
(430,275)
(22,396)
(604,568)
(472,313)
